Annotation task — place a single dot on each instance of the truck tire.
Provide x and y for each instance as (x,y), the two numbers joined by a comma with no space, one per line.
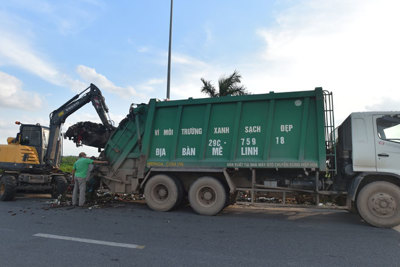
(59,186)
(207,196)
(8,188)
(162,192)
(378,203)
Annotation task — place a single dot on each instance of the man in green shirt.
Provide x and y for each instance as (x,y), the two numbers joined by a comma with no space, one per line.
(79,174)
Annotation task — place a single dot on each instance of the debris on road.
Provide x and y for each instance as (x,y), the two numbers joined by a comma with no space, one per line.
(98,200)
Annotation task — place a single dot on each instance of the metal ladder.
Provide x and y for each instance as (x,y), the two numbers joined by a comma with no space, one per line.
(330,134)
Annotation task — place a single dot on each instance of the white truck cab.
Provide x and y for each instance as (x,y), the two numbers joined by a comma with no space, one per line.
(376,142)
(369,155)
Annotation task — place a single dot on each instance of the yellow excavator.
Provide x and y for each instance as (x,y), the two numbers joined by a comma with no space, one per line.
(31,160)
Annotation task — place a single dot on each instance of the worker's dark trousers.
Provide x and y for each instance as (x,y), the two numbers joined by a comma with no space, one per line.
(80,185)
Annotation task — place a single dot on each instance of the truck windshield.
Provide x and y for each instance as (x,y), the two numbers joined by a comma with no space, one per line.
(389,128)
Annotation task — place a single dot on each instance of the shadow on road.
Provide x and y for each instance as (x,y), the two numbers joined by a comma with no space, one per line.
(311,214)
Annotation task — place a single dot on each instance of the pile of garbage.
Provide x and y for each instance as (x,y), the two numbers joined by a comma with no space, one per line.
(88,133)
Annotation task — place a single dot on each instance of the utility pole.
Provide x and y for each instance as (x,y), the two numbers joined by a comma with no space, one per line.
(169,52)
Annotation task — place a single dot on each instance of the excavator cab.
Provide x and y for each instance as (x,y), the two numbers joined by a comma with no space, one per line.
(35,136)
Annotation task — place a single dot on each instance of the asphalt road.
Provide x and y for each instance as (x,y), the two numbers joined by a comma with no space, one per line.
(129,234)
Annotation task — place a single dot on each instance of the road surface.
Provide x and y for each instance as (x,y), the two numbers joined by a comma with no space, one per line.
(129,234)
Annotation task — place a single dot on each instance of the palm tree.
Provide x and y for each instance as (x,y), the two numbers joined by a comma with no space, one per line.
(227,86)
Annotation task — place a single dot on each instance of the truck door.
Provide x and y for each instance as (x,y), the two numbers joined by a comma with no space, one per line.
(387,143)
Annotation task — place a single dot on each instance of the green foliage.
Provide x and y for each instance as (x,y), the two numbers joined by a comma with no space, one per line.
(67,163)
(227,86)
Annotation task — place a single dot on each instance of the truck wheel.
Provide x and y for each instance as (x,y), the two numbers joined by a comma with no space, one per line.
(162,192)
(59,186)
(378,204)
(207,196)
(8,188)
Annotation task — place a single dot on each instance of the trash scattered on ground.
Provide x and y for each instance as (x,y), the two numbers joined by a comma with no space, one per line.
(102,199)
(96,200)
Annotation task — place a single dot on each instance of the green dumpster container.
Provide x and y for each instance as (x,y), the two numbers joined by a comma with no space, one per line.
(275,130)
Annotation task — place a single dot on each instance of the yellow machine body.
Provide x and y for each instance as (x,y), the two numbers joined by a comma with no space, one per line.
(18,154)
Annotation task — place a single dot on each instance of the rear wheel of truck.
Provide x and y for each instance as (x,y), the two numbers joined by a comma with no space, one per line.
(207,196)
(59,186)
(162,192)
(378,203)
(8,188)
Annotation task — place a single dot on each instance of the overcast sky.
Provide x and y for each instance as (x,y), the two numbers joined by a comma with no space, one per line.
(50,50)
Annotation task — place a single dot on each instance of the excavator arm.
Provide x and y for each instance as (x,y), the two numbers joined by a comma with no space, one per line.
(58,117)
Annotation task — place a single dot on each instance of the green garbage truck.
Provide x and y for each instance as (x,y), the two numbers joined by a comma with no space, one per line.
(207,150)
